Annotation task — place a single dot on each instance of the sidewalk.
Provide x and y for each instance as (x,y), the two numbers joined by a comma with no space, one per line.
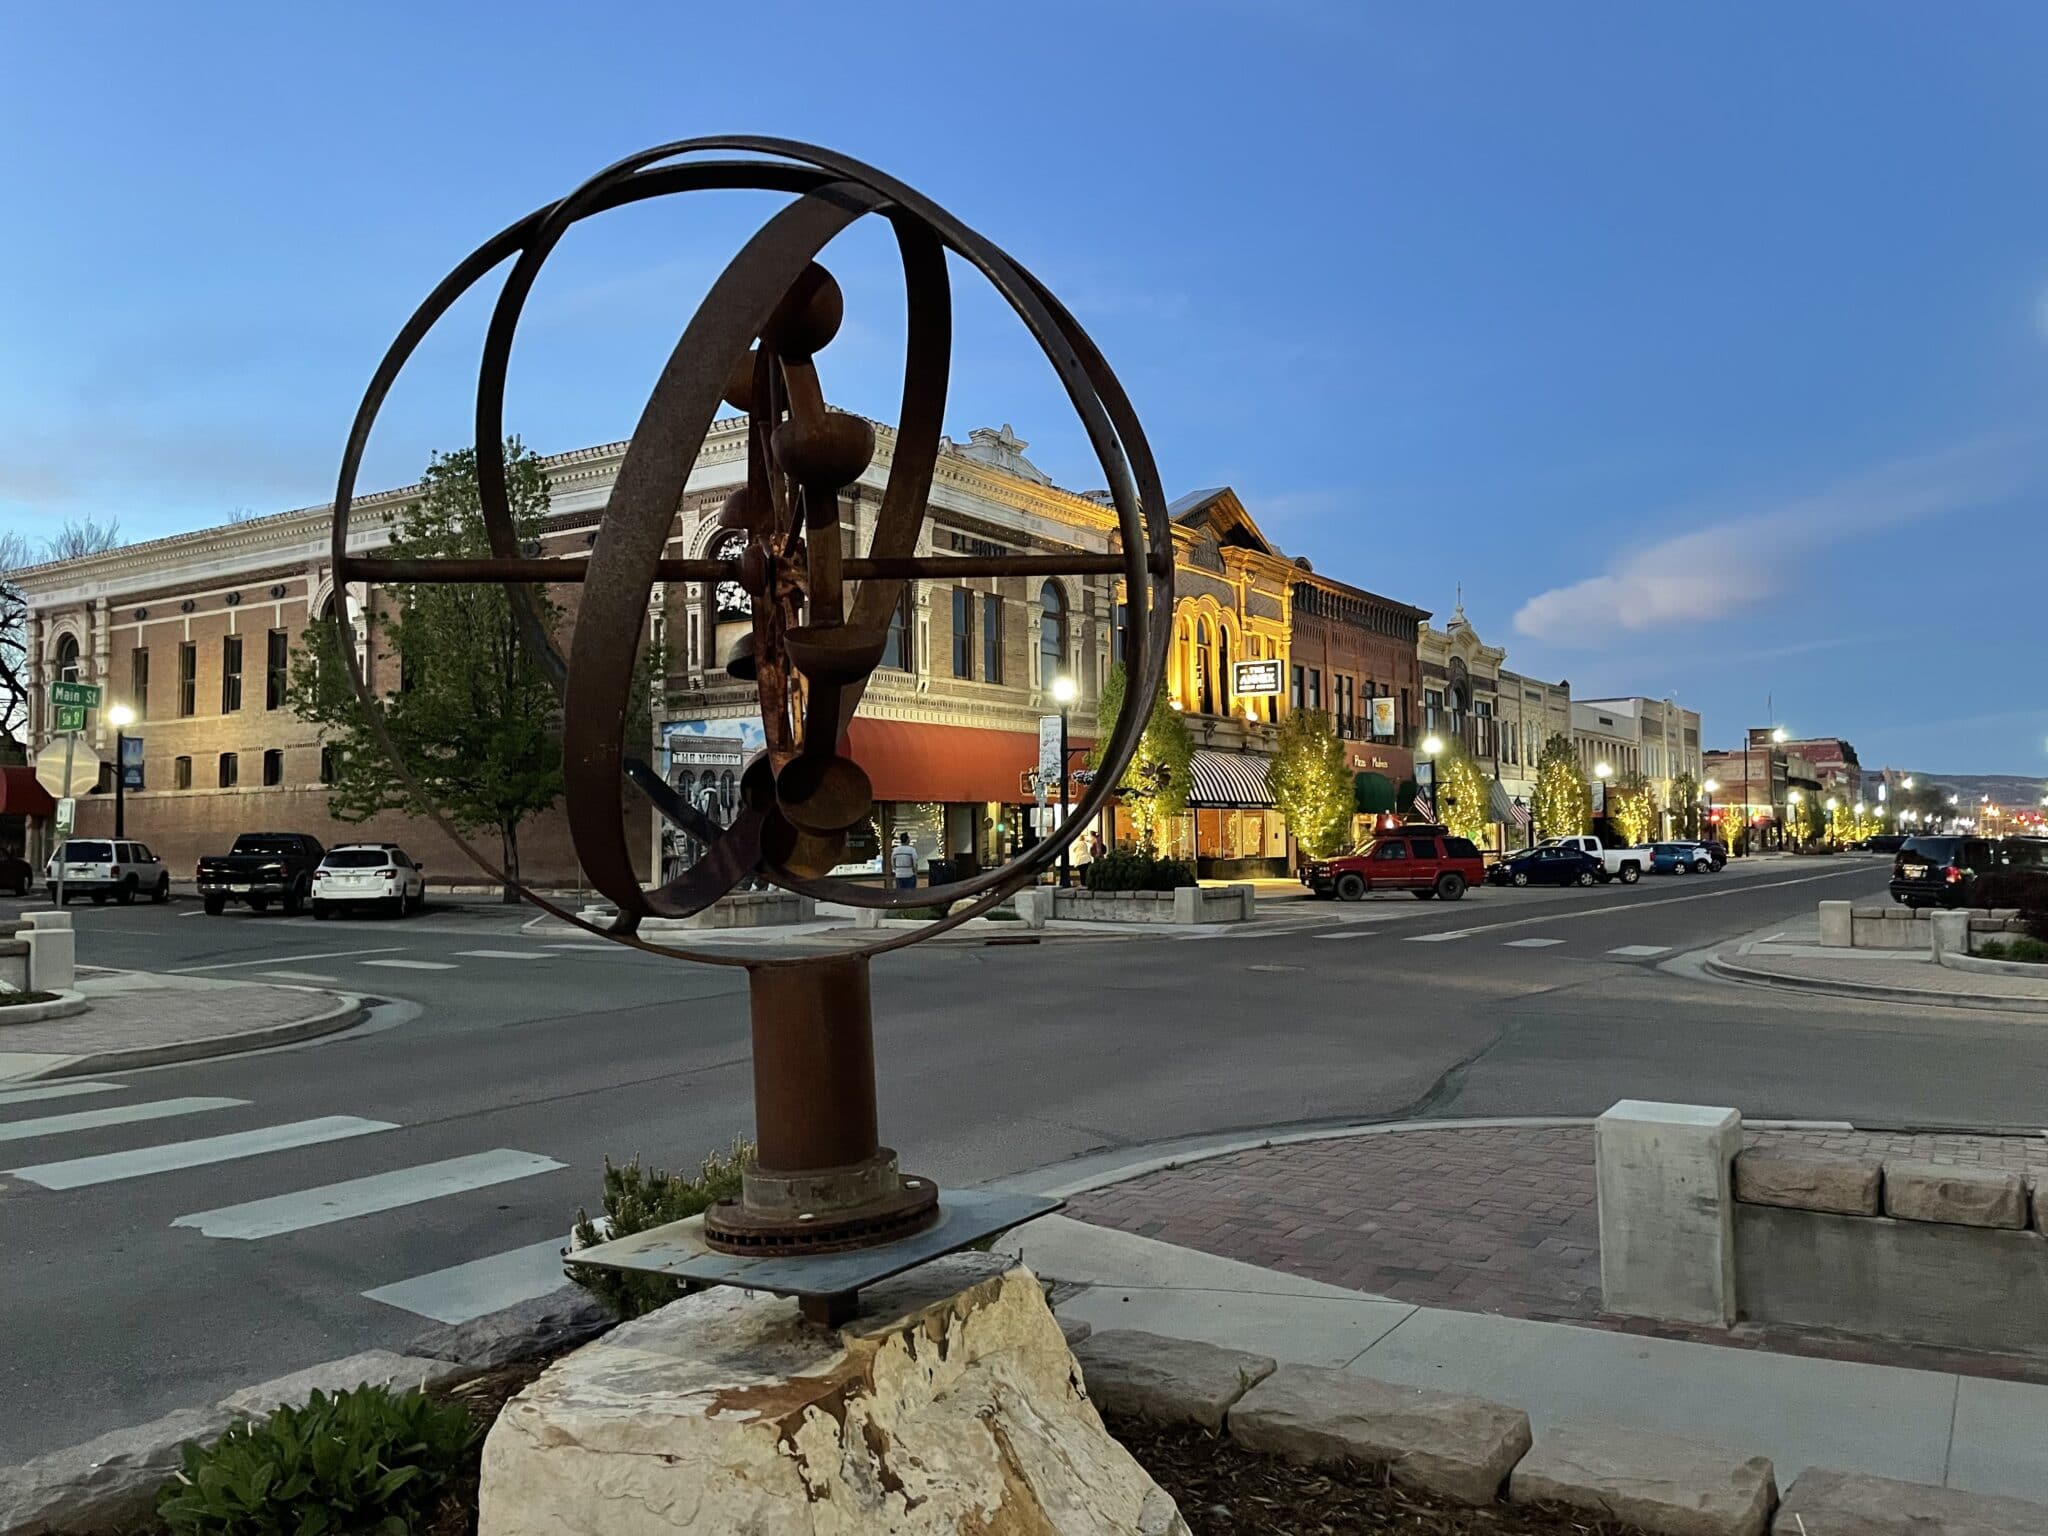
(1879,974)
(1964,1431)
(140,1019)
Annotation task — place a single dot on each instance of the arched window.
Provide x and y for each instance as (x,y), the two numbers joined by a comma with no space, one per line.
(1223,669)
(1205,670)
(1052,633)
(67,658)
(728,792)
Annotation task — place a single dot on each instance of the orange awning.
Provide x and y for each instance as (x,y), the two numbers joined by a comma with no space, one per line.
(21,795)
(945,763)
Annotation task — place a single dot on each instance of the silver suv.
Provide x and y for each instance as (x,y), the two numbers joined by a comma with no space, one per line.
(107,869)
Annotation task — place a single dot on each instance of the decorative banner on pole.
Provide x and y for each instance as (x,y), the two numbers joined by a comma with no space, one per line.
(1049,764)
(1251,678)
(131,762)
(1382,718)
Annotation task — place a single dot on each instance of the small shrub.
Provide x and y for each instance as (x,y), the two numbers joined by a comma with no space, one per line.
(2033,950)
(1130,869)
(2036,924)
(635,1201)
(364,1461)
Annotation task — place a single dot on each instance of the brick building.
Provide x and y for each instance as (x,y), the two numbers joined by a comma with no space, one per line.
(1355,657)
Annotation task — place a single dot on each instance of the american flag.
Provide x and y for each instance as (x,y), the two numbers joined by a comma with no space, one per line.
(1519,812)
(1422,807)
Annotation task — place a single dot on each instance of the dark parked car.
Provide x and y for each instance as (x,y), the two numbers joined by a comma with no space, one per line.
(261,868)
(1884,842)
(16,874)
(1717,849)
(1943,871)
(1548,866)
(1426,861)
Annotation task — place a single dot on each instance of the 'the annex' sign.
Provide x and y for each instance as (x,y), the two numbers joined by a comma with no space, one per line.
(1255,677)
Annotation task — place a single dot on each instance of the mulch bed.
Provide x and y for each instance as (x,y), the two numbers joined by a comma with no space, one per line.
(1225,1490)
(485,1397)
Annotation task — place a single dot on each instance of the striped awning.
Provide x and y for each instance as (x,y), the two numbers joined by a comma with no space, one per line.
(1236,780)
(1500,805)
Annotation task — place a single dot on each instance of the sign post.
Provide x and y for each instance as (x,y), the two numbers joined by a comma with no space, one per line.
(62,773)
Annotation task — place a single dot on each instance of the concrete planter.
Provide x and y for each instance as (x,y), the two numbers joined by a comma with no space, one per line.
(737,909)
(1190,904)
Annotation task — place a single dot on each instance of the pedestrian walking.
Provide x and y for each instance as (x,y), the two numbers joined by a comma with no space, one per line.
(1096,847)
(903,863)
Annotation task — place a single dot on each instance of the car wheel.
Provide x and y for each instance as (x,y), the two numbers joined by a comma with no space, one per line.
(214,905)
(1585,877)
(1351,887)
(1631,873)
(1520,877)
(162,893)
(293,903)
(394,907)
(259,903)
(322,912)
(1450,887)
(127,893)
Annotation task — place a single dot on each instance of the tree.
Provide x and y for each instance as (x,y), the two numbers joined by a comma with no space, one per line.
(1562,806)
(80,537)
(1685,807)
(471,713)
(1462,795)
(1155,784)
(1632,807)
(1311,782)
(14,554)
(1806,819)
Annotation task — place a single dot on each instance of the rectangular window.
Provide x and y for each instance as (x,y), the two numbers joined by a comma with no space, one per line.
(963,632)
(230,673)
(273,767)
(277,668)
(188,678)
(1432,708)
(330,762)
(1119,636)
(181,773)
(991,639)
(1294,692)
(896,642)
(230,770)
(138,682)
(1315,687)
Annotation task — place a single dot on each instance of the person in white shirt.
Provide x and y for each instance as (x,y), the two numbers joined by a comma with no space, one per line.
(903,862)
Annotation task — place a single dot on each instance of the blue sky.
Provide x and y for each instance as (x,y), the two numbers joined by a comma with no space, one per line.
(1706,347)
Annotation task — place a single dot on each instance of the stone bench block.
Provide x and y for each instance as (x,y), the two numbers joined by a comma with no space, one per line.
(1662,1483)
(1825,1503)
(1809,1181)
(1170,1381)
(1837,920)
(1460,1447)
(1964,1197)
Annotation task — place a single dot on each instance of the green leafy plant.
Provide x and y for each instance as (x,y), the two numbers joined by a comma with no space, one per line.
(367,1462)
(1154,787)
(634,1201)
(1133,869)
(2031,950)
(1311,783)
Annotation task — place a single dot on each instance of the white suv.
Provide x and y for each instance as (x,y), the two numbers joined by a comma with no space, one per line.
(377,875)
(107,868)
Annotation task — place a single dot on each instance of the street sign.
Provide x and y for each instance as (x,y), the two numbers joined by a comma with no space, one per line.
(1255,677)
(67,767)
(70,717)
(67,816)
(85,695)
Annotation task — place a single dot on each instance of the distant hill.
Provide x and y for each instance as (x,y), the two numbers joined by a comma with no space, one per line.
(2008,789)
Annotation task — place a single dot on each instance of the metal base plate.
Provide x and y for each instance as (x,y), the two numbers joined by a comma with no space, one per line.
(679,1249)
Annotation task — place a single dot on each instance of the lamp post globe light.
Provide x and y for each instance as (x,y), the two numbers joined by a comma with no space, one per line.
(1792,801)
(1707,788)
(1431,745)
(120,717)
(1064,692)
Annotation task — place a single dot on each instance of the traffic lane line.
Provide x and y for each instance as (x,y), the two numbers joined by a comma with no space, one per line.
(277,960)
(54,1091)
(416,965)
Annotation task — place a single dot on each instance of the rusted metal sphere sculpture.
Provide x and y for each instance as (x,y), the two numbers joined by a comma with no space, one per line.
(819,611)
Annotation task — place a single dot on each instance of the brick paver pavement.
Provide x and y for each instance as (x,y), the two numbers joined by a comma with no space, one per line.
(1494,1219)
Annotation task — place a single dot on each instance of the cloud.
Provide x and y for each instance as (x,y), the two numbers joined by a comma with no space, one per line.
(1700,576)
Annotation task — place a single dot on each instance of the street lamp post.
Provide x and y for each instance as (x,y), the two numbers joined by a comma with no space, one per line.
(1793,800)
(120,716)
(1431,745)
(1603,772)
(1064,692)
(1707,788)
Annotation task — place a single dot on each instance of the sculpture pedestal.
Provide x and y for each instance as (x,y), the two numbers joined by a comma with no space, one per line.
(949,1404)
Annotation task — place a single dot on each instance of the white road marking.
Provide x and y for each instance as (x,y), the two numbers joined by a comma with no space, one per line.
(122,1114)
(483,1285)
(276,960)
(298,976)
(1531,943)
(1637,906)
(1443,938)
(362,1197)
(53,1091)
(1365,935)
(194,1154)
(415,965)
(1641,950)
(605,945)
(502,954)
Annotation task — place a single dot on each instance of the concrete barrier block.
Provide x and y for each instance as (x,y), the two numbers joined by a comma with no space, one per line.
(1950,932)
(1821,1502)
(1964,1197)
(1667,1240)
(1836,924)
(1809,1181)
(1187,904)
(1656,1481)
(48,920)
(52,959)
(1034,906)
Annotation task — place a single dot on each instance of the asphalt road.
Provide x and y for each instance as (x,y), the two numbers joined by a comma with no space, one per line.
(481,1101)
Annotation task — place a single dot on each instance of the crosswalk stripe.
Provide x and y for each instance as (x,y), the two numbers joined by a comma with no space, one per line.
(414,965)
(105,1169)
(1641,951)
(470,1290)
(54,1091)
(298,976)
(604,944)
(119,1114)
(503,954)
(1531,943)
(1438,938)
(362,1197)
(1357,933)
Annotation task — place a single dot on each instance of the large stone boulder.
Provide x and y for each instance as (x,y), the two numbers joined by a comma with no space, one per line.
(1170,1381)
(950,1404)
(1809,1181)
(1822,1502)
(1662,1483)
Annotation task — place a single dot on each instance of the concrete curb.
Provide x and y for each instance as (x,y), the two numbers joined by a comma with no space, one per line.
(349,1009)
(62,1006)
(1984,965)
(1729,970)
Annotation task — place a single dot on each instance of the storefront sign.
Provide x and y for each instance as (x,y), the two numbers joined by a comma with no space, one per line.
(965,544)
(1251,678)
(1382,718)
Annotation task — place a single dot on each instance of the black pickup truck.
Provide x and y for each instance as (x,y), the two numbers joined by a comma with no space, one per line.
(261,868)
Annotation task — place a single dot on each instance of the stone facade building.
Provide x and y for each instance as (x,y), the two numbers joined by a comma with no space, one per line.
(1531,712)
(1656,738)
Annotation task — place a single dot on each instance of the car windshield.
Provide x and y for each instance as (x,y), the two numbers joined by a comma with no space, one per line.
(356,858)
(268,845)
(88,853)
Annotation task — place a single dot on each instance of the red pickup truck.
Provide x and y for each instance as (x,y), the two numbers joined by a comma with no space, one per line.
(1423,860)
